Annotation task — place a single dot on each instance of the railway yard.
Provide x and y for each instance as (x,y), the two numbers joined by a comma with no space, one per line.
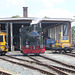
(49,63)
(37,45)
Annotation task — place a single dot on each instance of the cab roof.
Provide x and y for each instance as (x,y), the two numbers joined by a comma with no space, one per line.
(3,33)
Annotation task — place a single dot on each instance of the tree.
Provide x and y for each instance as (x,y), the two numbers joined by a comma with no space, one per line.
(17,16)
(46,17)
(73,33)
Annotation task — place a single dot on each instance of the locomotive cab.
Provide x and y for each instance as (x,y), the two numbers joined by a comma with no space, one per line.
(3,43)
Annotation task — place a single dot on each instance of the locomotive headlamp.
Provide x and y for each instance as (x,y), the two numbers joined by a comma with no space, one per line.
(41,46)
(27,46)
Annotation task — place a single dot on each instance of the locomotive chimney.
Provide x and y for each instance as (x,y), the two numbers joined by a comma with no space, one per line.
(25,12)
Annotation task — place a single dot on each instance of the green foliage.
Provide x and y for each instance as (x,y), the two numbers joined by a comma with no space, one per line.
(46,17)
(17,16)
(73,33)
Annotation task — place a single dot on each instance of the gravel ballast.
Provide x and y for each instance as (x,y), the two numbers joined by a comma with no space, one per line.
(17,70)
(63,58)
(20,70)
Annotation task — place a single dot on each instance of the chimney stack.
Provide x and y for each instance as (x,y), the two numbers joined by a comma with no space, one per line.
(25,12)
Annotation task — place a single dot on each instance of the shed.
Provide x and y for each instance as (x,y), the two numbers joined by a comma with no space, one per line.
(50,27)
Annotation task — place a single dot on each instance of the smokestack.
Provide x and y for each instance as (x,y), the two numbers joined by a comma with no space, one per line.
(25,12)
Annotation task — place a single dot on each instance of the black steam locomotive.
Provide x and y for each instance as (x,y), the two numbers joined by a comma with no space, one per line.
(31,40)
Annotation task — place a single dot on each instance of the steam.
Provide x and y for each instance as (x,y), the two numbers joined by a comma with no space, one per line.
(36,21)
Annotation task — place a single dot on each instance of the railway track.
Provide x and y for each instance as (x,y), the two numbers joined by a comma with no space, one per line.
(63,69)
(28,66)
(59,70)
(4,73)
(73,55)
(64,64)
(39,63)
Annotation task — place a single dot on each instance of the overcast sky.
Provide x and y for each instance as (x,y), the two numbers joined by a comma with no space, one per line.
(38,8)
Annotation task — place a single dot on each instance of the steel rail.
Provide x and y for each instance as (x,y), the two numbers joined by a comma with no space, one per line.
(70,66)
(40,63)
(73,55)
(63,69)
(4,73)
(28,66)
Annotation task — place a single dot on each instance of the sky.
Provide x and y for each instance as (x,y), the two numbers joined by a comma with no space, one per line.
(38,8)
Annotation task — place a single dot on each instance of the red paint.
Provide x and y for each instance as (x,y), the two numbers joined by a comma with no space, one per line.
(45,38)
(31,50)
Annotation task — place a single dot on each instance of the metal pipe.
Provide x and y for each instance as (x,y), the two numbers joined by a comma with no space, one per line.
(11,34)
(25,12)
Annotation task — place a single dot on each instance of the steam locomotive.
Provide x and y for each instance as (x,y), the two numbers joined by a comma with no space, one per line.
(31,40)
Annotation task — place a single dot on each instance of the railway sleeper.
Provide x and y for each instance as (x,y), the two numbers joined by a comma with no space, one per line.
(28,66)
(49,66)
(64,69)
(70,66)
(40,63)
(55,68)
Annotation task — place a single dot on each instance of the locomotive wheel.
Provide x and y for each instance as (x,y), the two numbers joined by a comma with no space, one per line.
(55,51)
(60,51)
(65,51)
(2,53)
(25,54)
(70,51)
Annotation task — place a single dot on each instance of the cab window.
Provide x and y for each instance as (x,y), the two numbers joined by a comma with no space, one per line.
(1,38)
(5,38)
